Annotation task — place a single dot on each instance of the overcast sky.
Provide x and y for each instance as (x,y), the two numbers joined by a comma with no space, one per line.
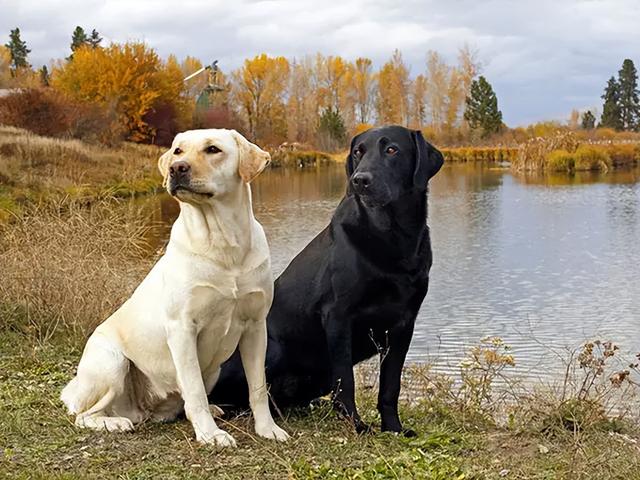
(543,57)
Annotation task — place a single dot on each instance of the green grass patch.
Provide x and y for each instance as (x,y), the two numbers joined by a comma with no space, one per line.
(40,441)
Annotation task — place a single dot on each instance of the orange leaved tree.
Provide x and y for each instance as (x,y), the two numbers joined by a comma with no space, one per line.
(259,87)
(129,78)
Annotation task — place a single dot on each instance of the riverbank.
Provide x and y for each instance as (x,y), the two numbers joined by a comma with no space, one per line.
(35,169)
(67,265)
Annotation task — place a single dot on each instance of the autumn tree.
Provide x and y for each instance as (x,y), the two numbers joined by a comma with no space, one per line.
(302,102)
(437,78)
(18,51)
(6,74)
(611,113)
(574,119)
(628,100)
(418,114)
(260,88)
(482,108)
(393,91)
(363,90)
(132,80)
(588,120)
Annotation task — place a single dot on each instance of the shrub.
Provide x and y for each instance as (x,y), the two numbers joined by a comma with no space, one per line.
(49,113)
(479,154)
(590,157)
(532,155)
(623,154)
(560,161)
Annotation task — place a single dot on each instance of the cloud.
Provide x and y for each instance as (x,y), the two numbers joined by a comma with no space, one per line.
(543,58)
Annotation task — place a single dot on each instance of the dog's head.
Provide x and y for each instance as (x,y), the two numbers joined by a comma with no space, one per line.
(387,162)
(203,165)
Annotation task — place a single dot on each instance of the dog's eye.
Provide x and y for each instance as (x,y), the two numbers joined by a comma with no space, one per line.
(391,150)
(177,151)
(358,151)
(212,149)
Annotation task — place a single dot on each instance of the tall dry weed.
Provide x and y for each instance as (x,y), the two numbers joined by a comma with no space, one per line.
(66,267)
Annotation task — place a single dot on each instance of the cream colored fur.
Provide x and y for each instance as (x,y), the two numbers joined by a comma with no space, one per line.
(160,352)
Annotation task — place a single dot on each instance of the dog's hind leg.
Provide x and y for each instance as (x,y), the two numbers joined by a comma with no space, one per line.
(98,386)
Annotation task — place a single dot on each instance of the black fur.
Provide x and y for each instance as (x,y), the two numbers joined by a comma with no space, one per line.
(355,290)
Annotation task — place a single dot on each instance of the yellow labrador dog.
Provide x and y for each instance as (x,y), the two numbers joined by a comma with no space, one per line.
(160,352)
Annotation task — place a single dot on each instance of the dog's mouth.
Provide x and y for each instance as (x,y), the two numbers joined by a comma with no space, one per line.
(370,200)
(181,190)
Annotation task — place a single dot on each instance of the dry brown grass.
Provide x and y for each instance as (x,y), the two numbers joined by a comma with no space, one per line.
(33,167)
(564,152)
(66,267)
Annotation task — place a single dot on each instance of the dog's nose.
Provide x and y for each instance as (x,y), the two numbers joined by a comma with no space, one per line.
(178,169)
(361,181)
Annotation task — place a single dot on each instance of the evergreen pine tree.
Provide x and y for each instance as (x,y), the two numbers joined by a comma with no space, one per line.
(331,129)
(629,103)
(18,50)
(588,120)
(482,108)
(611,114)
(95,39)
(78,38)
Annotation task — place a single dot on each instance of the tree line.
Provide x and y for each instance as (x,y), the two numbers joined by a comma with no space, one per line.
(315,100)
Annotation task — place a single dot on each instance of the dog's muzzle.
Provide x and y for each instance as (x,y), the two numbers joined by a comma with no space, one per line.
(361,182)
(179,176)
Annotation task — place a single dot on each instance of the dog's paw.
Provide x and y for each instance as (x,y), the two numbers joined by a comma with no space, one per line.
(409,433)
(363,428)
(219,438)
(272,432)
(110,424)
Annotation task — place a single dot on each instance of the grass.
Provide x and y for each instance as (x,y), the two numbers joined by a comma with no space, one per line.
(35,168)
(40,441)
(479,154)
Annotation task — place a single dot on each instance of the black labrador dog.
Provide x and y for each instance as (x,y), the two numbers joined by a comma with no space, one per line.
(355,290)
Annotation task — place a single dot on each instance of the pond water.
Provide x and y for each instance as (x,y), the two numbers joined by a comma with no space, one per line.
(543,262)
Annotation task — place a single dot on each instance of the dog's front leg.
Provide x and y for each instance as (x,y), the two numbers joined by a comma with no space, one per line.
(391,365)
(182,340)
(253,349)
(338,333)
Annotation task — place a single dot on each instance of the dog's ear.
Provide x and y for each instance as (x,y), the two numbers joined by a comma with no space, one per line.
(428,160)
(163,166)
(251,158)
(349,164)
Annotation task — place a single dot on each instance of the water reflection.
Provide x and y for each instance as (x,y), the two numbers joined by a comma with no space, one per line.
(544,262)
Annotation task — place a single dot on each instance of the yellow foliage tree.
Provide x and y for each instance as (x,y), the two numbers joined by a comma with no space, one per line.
(259,87)
(302,102)
(393,91)
(129,78)
(363,89)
